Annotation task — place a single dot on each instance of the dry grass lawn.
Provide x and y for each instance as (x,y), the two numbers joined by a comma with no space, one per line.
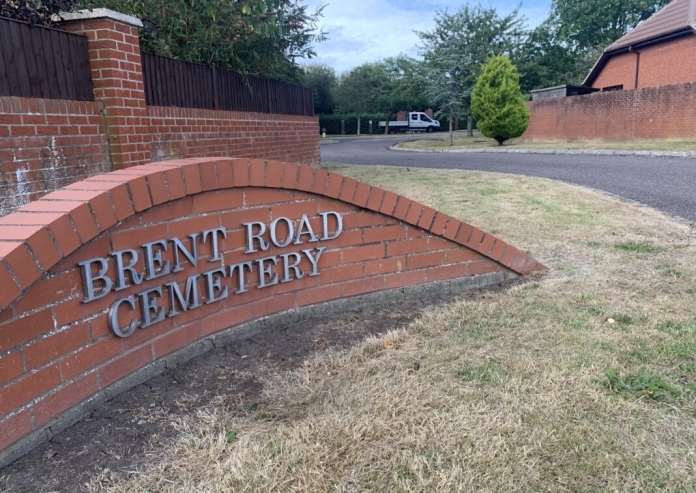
(480,142)
(582,380)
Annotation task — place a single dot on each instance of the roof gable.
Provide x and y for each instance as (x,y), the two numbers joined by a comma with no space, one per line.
(674,17)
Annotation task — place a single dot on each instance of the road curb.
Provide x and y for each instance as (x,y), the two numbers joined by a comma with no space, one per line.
(583,152)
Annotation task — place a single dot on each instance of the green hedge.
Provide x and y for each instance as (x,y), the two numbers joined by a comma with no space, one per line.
(332,123)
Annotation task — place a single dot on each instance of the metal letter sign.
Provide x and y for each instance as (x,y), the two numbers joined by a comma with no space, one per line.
(126,268)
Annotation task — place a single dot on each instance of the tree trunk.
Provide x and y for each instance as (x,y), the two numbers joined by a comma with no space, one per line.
(450,129)
(469,122)
(386,124)
(358,124)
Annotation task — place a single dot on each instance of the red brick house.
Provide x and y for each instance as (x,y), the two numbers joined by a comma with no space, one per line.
(658,52)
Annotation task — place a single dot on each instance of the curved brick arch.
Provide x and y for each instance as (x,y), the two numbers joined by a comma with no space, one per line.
(57,353)
(41,234)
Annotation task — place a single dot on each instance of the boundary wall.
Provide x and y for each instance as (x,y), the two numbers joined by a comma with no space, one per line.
(46,144)
(112,277)
(664,112)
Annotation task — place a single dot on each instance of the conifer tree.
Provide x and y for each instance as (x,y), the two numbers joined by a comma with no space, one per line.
(496,101)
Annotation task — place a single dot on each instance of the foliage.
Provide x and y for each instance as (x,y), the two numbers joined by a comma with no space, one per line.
(398,88)
(260,37)
(357,90)
(563,49)
(454,51)
(37,12)
(322,79)
(544,61)
(332,123)
(586,24)
(446,92)
(497,102)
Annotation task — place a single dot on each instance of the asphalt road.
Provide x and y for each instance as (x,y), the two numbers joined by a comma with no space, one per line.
(667,184)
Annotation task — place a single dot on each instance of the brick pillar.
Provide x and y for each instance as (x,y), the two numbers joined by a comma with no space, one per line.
(117,77)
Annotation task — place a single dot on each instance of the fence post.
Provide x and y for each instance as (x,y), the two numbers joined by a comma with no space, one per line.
(268,96)
(117,77)
(216,96)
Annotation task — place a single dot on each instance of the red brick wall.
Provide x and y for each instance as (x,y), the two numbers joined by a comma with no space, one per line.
(183,132)
(619,70)
(46,144)
(664,112)
(117,77)
(56,350)
(668,63)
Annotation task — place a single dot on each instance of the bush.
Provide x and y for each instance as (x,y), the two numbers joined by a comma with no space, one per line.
(496,101)
(332,123)
(37,13)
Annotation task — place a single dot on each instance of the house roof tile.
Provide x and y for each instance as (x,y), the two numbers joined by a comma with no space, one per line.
(679,15)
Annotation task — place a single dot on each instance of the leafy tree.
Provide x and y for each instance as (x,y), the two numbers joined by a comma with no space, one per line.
(358,90)
(445,90)
(260,37)
(563,49)
(322,79)
(497,102)
(586,24)
(398,87)
(461,42)
(544,61)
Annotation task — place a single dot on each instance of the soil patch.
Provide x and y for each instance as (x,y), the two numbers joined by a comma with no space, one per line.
(117,436)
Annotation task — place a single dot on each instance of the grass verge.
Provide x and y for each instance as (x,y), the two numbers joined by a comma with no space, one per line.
(480,142)
(582,380)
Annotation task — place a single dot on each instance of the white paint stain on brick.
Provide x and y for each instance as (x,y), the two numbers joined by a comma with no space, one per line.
(22,196)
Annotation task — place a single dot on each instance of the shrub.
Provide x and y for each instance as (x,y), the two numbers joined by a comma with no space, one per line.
(497,102)
(37,13)
(332,124)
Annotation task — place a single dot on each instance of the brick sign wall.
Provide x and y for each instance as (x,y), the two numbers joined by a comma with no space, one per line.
(116,273)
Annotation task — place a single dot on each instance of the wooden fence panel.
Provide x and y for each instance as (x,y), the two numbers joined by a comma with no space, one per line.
(38,62)
(170,82)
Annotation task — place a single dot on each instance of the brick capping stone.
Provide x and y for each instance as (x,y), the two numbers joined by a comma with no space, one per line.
(57,352)
(100,13)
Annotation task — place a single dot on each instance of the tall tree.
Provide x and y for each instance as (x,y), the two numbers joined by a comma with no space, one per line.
(260,37)
(322,79)
(358,89)
(544,61)
(586,24)
(445,90)
(563,49)
(398,87)
(461,42)
(497,101)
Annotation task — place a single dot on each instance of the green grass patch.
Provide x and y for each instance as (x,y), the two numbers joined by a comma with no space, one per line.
(644,383)
(643,247)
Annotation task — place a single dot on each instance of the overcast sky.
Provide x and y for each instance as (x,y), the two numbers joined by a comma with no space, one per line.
(369,30)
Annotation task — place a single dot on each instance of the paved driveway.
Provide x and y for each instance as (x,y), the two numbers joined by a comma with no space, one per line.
(667,184)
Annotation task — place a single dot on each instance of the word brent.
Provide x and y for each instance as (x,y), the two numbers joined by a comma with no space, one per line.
(133,268)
